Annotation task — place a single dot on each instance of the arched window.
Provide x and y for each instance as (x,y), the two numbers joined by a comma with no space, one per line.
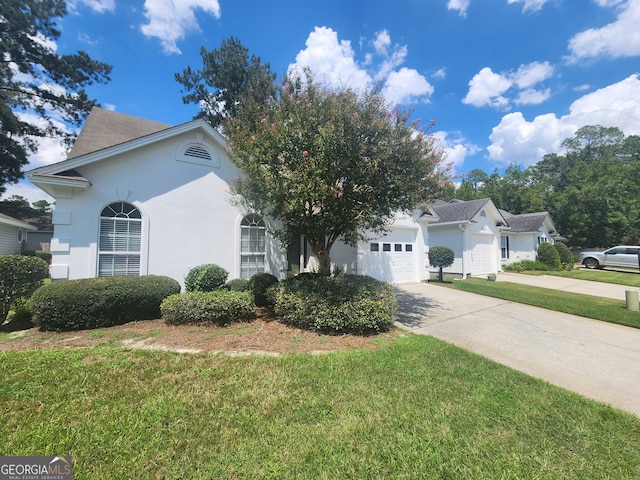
(252,246)
(120,240)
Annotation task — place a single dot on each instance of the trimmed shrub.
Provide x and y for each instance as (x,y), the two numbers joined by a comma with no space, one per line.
(20,276)
(441,257)
(219,307)
(566,257)
(100,302)
(237,285)
(46,256)
(548,255)
(205,278)
(344,304)
(526,265)
(259,284)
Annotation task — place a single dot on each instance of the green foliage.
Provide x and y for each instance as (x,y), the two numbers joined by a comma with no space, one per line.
(566,257)
(259,284)
(441,257)
(344,304)
(548,255)
(218,307)
(39,81)
(526,265)
(237,285)
(330,164)
(100,302)
(205,278)
(227,75)
(20,276)
(46,256)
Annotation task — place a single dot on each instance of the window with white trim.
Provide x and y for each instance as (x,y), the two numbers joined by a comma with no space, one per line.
(252,246)
(120,240)
(504,247)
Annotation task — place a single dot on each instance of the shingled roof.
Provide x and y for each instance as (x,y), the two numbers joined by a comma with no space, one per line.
(105,128)
(526,222)
(457,211)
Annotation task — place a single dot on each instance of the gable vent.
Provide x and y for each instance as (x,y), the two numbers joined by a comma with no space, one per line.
(197,151)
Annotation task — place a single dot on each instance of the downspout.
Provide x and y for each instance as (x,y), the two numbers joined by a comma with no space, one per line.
(464,249)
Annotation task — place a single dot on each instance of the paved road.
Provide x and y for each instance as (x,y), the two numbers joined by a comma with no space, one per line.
(596,359)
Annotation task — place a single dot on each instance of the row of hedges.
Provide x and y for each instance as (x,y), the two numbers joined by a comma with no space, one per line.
(344,303)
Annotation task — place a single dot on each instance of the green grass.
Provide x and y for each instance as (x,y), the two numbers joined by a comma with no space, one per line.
(598,308)
(630,278)
(417,408)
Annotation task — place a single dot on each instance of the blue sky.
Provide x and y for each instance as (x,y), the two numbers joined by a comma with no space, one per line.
(506,80)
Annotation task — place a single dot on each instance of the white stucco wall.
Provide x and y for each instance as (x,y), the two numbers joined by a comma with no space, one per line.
(187,214)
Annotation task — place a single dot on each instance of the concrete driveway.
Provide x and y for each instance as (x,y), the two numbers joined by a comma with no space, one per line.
(596,359)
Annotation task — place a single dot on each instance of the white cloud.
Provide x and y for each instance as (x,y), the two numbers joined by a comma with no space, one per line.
(531,96)
(517,140)
(459,5)
(456,148)
(171,21)
(99,6)
(532,74)
(486,88)
(618,39)
(26,189)
(440,74)
(331,61)
(405,86)
(530,5)
(334,63)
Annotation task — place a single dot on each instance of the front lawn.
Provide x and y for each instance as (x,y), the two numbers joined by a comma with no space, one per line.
(630,277)
(415,408)
(598,308)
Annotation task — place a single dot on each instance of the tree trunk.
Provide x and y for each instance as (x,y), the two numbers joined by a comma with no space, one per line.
(325,262)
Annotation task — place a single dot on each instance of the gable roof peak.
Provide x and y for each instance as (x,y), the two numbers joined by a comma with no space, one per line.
(106,128)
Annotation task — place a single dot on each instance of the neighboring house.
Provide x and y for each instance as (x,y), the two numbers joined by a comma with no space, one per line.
(526,231)
(13,233)
(38,238)
(484,238)
(472,230)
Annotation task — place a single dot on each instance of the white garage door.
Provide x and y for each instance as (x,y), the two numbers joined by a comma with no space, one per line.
(482,254)
(392,258)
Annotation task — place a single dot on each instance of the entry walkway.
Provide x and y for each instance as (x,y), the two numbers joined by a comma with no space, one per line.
(596,359)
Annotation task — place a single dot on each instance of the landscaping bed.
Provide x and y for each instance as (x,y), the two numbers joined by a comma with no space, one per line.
(263,335)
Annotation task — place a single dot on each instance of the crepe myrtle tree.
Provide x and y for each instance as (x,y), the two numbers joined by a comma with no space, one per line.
(330,164)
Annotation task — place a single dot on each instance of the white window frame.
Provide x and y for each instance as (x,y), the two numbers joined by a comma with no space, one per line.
(119,240)
(253,246)
(504,247)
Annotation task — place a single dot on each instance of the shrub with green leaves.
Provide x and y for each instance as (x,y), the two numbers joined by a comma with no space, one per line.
(237,285)
(548,255)
(205,278)
(526,265)
(344,304)
(441,257)
(219,307)
(20,276)
(100,302)
(259,284)
(566,257)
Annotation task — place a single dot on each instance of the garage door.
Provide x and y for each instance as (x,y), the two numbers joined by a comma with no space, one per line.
(482,254)
(403,262)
